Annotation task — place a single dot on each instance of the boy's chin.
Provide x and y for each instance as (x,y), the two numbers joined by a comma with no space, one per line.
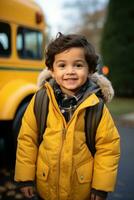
(69,90)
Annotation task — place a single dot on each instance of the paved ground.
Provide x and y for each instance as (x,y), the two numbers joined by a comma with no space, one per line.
(8,189)
(127,119)
(124,189)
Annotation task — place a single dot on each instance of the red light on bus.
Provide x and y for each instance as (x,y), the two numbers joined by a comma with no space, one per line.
(39,18)
(105,70)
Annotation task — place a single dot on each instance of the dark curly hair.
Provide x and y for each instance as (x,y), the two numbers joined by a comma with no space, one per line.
(64,42)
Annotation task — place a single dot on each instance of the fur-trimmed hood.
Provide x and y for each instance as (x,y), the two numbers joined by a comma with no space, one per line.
(101,81)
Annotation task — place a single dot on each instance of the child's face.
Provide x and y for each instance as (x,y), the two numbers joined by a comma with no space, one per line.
(70,70)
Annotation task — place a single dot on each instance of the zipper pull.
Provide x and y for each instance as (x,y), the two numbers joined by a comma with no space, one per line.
(64,133)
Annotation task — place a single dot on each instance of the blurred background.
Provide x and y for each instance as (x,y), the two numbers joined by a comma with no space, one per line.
(26,27)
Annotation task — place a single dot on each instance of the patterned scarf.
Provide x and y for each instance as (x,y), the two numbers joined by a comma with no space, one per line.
(67,104)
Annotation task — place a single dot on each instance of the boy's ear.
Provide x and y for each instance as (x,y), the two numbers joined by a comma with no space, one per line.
(90,71)
(52,73)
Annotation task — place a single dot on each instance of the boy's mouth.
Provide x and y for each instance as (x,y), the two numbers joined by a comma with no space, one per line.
(70,81)
(71,78)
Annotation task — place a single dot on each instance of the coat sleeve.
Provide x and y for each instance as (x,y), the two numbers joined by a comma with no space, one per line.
(107,155)
(27,147)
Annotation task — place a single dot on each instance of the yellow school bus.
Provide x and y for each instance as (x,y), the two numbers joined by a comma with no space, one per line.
(22,28)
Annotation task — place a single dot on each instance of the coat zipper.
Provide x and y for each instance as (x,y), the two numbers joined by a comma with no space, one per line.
(62,142)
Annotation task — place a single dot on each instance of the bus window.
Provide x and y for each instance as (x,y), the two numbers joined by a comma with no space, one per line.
(5,40)
(29,43)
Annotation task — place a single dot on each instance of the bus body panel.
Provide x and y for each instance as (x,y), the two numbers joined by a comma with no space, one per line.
(22,12)
(13,73)
(22,23)
(11,95)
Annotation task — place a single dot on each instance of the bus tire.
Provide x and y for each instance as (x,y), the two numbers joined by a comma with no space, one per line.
(17,122)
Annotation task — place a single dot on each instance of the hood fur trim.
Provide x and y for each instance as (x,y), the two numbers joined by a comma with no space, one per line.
(44,75)
(104,84)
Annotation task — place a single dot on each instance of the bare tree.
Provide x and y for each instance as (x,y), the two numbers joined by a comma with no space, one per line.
(87,17)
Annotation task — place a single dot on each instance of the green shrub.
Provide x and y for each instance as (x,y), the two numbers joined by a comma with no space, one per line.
(117,46)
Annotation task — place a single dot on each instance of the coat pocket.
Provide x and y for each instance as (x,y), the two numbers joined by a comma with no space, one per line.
(84,173)
(42,171)
(82,179)
(42,182)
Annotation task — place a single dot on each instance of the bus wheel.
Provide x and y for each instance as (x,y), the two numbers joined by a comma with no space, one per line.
(17,122)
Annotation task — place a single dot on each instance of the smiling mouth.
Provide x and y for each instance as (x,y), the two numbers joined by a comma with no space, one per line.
(70,79)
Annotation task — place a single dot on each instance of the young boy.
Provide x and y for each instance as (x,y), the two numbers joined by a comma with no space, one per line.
(62,167)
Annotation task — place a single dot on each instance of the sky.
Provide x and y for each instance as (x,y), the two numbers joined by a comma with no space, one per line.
(53,13)
(57,18)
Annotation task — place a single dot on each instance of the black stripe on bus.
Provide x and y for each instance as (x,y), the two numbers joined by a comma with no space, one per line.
(20,69)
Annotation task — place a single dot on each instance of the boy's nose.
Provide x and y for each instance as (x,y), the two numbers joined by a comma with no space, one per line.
(70,70)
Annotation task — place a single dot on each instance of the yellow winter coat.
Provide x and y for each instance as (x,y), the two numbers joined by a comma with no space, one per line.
(63,167)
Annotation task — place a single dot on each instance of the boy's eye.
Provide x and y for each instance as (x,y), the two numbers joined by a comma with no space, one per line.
(79,65)
(62,65)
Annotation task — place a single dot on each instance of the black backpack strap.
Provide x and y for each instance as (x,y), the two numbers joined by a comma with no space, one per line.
(92,118)
(41,111)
